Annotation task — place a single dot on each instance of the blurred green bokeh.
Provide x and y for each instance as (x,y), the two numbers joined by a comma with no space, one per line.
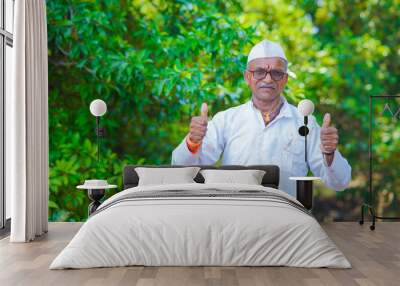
(154,62)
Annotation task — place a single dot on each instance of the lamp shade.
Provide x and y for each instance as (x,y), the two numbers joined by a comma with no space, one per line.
(305,107)
(98,107)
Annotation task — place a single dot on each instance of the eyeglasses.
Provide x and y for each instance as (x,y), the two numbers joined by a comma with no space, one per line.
(261,74)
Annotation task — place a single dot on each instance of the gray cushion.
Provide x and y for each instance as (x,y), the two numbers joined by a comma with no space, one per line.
(270,179)
(248,177)
(165,176)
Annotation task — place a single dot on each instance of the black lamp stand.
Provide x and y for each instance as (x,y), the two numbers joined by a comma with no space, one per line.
(95,195)
(100,132)
(304,188)
(303,131)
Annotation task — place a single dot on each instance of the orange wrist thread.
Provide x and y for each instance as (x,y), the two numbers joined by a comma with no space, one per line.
(193,147)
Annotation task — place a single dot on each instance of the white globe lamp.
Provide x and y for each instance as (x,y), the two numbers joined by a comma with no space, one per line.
(98,107)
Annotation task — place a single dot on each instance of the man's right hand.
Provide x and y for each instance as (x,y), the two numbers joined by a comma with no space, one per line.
(198,125)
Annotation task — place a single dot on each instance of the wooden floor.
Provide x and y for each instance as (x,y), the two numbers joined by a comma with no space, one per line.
(375,256)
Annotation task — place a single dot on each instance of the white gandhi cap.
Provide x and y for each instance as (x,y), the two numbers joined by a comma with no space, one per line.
(268,49)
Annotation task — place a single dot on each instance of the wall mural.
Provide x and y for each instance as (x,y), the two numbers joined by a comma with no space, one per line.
(155,62)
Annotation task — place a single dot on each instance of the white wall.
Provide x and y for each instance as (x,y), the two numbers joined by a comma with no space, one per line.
(9,65)
(9,26)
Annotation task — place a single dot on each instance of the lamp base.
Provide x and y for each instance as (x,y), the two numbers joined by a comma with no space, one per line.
(95,195)
(304,193)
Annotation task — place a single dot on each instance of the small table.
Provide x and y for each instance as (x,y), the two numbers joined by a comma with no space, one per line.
(95,193)
(304,190)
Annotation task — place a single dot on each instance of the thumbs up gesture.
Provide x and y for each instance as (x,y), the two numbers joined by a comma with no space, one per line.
(198,125)
(329,135)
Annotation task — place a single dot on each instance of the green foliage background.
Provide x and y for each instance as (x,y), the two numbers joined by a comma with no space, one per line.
(154,62)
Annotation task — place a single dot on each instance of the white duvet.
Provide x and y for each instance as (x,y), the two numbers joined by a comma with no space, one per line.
(183,231)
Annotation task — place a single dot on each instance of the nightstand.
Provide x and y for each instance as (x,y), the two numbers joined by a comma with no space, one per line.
(96,190)
(304,190)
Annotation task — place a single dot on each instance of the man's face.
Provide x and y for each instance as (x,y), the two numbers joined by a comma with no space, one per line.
(267,88)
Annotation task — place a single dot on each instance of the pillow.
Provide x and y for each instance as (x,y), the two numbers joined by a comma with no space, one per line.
(163,176)
(249,177)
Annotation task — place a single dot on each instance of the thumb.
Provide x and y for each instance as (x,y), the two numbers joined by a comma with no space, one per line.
(327,120)
(204,109)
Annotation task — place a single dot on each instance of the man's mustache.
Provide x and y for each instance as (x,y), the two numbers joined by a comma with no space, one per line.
(265,85)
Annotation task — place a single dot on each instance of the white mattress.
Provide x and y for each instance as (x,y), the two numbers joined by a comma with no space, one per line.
(188,231)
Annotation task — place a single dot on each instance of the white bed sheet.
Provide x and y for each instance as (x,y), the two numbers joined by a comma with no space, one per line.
(202,232)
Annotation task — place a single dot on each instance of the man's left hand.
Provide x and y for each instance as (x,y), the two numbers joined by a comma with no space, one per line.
(329,138)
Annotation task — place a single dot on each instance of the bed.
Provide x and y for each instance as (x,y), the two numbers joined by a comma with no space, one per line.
(198,224)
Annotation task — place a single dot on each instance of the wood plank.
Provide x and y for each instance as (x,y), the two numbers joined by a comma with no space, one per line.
(375,257)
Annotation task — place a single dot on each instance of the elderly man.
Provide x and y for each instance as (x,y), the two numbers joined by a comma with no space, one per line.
(264,130)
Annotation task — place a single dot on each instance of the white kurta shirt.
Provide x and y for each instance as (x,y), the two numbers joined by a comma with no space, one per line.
(240,136)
